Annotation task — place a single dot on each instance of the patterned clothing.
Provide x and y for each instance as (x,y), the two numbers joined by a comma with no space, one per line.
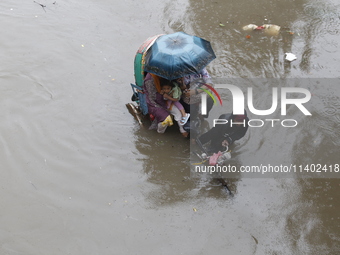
(156,104)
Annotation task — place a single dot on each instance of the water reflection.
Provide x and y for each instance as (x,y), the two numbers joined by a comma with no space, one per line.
(303,25)
(166,164)
(319,142)
(221,23)
(320,21)
(309,29)
(312,224)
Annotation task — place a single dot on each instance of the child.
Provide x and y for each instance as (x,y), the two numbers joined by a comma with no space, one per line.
(172,93)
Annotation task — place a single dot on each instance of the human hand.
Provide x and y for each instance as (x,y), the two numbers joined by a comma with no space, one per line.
(225,143)
(189,93)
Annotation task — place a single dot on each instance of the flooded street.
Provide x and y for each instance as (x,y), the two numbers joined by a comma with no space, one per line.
(79,176)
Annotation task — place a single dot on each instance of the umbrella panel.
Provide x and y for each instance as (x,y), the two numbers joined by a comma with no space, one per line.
(176,55)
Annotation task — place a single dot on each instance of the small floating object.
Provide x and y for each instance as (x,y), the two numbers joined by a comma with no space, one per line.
(268,29)
(290,57)
(250,27)
(271,29)
(248,36)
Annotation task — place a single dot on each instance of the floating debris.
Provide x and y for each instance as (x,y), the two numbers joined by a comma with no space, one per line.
(250,27)
(271,29)
(33,185)
(290,57)
(268,29)
(43,6)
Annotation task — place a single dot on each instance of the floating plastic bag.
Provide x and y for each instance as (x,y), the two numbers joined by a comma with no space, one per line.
(213,159)
(290,56)
(250,27)
(219,158)
(268,29)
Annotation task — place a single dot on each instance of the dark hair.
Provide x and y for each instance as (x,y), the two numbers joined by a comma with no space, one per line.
(165,82)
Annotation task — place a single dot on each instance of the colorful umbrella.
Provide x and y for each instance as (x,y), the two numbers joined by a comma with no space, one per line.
(176,55)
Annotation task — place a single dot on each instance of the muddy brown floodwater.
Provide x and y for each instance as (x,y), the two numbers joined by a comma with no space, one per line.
(79,176)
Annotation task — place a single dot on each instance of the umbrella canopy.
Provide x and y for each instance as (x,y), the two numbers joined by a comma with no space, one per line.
(176,55)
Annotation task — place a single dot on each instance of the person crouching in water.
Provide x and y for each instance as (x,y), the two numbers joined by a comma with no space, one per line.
(224,135)
(172,93)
